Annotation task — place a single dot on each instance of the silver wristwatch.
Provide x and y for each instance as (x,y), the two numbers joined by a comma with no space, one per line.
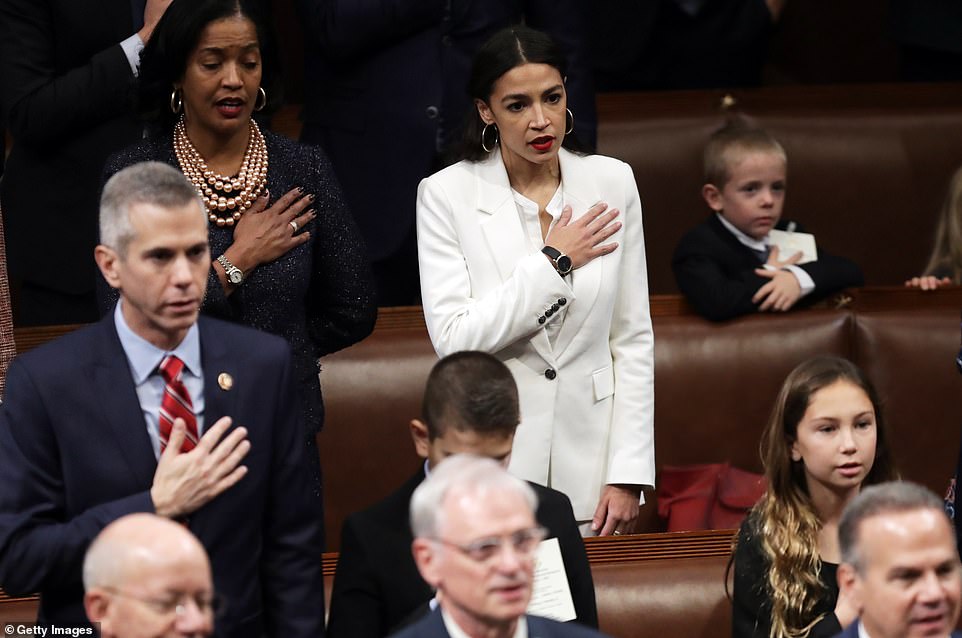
(234,274)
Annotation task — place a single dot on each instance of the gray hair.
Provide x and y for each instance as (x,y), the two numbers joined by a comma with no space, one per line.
(145,183)
(894,497)
(103,565)
(472,474)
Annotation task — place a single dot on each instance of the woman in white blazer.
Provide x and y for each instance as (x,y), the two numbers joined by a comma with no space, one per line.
(536,254)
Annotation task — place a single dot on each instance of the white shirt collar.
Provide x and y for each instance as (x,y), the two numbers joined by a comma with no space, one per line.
(751,242)
(144,357)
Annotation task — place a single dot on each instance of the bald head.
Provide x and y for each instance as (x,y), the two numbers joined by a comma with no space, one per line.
(145,575)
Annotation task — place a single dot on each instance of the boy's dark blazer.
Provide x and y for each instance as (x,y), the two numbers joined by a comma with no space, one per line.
(75,455)
(716,272)
(378,588)
(432,626)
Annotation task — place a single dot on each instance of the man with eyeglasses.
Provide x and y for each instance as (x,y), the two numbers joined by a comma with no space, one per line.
(145,575)
(475,537)
(470,406)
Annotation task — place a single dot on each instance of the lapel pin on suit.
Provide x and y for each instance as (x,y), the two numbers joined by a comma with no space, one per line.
(225,381)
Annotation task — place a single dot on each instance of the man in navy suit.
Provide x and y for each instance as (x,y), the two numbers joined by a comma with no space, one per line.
(91,430)
(475,537)
(900,568)
(470,406)
(386,92)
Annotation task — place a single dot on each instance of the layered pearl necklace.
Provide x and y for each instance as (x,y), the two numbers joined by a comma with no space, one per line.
(226,198)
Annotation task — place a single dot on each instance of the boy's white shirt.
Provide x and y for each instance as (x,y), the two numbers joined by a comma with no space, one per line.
(804,279)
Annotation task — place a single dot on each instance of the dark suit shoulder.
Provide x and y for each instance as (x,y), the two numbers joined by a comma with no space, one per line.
(389,511)
(546,628)
(244,346)
(64,355)
(708,236)
(552,504)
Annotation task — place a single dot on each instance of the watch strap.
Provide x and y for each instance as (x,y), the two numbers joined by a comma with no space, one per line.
(230,269)
(552,252)
(555,255)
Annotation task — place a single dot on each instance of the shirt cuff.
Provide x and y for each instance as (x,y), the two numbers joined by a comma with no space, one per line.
(132,47)
(804,279)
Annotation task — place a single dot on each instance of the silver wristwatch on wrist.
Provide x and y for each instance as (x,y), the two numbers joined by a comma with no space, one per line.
(234,274)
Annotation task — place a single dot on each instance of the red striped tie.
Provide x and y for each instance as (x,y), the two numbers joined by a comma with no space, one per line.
(176,404)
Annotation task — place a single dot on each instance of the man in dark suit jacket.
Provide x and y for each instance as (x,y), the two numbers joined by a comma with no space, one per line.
(67,68)
(86,433)
(900,570)
(386,91)
(470,406)
(475,539)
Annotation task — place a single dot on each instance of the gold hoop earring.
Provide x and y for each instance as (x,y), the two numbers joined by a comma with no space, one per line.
(484,133)
(571,120)
(262,96)
(176,101)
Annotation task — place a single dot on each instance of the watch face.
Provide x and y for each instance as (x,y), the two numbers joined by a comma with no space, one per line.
(564,264)
(235,276)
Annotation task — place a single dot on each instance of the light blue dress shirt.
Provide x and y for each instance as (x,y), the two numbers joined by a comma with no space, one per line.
(144,360)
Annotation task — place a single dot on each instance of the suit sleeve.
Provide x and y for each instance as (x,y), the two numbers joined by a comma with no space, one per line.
(714,293)
(42,105)
(291,565)
(341,309)
(457,318)
(631,450)
(566,22)
(346,29)
(39,547)
(831,273)
(356,610)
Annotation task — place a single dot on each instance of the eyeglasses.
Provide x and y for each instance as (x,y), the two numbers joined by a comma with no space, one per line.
(176,605)
(484,550)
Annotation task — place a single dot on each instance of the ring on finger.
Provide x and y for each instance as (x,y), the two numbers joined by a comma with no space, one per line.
(293,225)
(617,532)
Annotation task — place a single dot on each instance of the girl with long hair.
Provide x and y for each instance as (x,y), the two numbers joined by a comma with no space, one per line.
(824,440)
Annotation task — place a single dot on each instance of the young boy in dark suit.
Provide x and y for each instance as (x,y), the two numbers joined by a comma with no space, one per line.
(727,266)
(470,407)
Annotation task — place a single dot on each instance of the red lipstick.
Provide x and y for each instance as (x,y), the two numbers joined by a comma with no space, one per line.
(542,144)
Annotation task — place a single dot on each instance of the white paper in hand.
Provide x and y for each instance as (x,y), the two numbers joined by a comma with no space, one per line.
(790,243)
(551,596)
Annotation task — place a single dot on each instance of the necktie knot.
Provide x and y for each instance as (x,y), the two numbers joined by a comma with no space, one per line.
(171,367)
(762,253)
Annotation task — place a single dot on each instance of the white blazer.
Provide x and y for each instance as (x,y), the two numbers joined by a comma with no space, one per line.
(587,402)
